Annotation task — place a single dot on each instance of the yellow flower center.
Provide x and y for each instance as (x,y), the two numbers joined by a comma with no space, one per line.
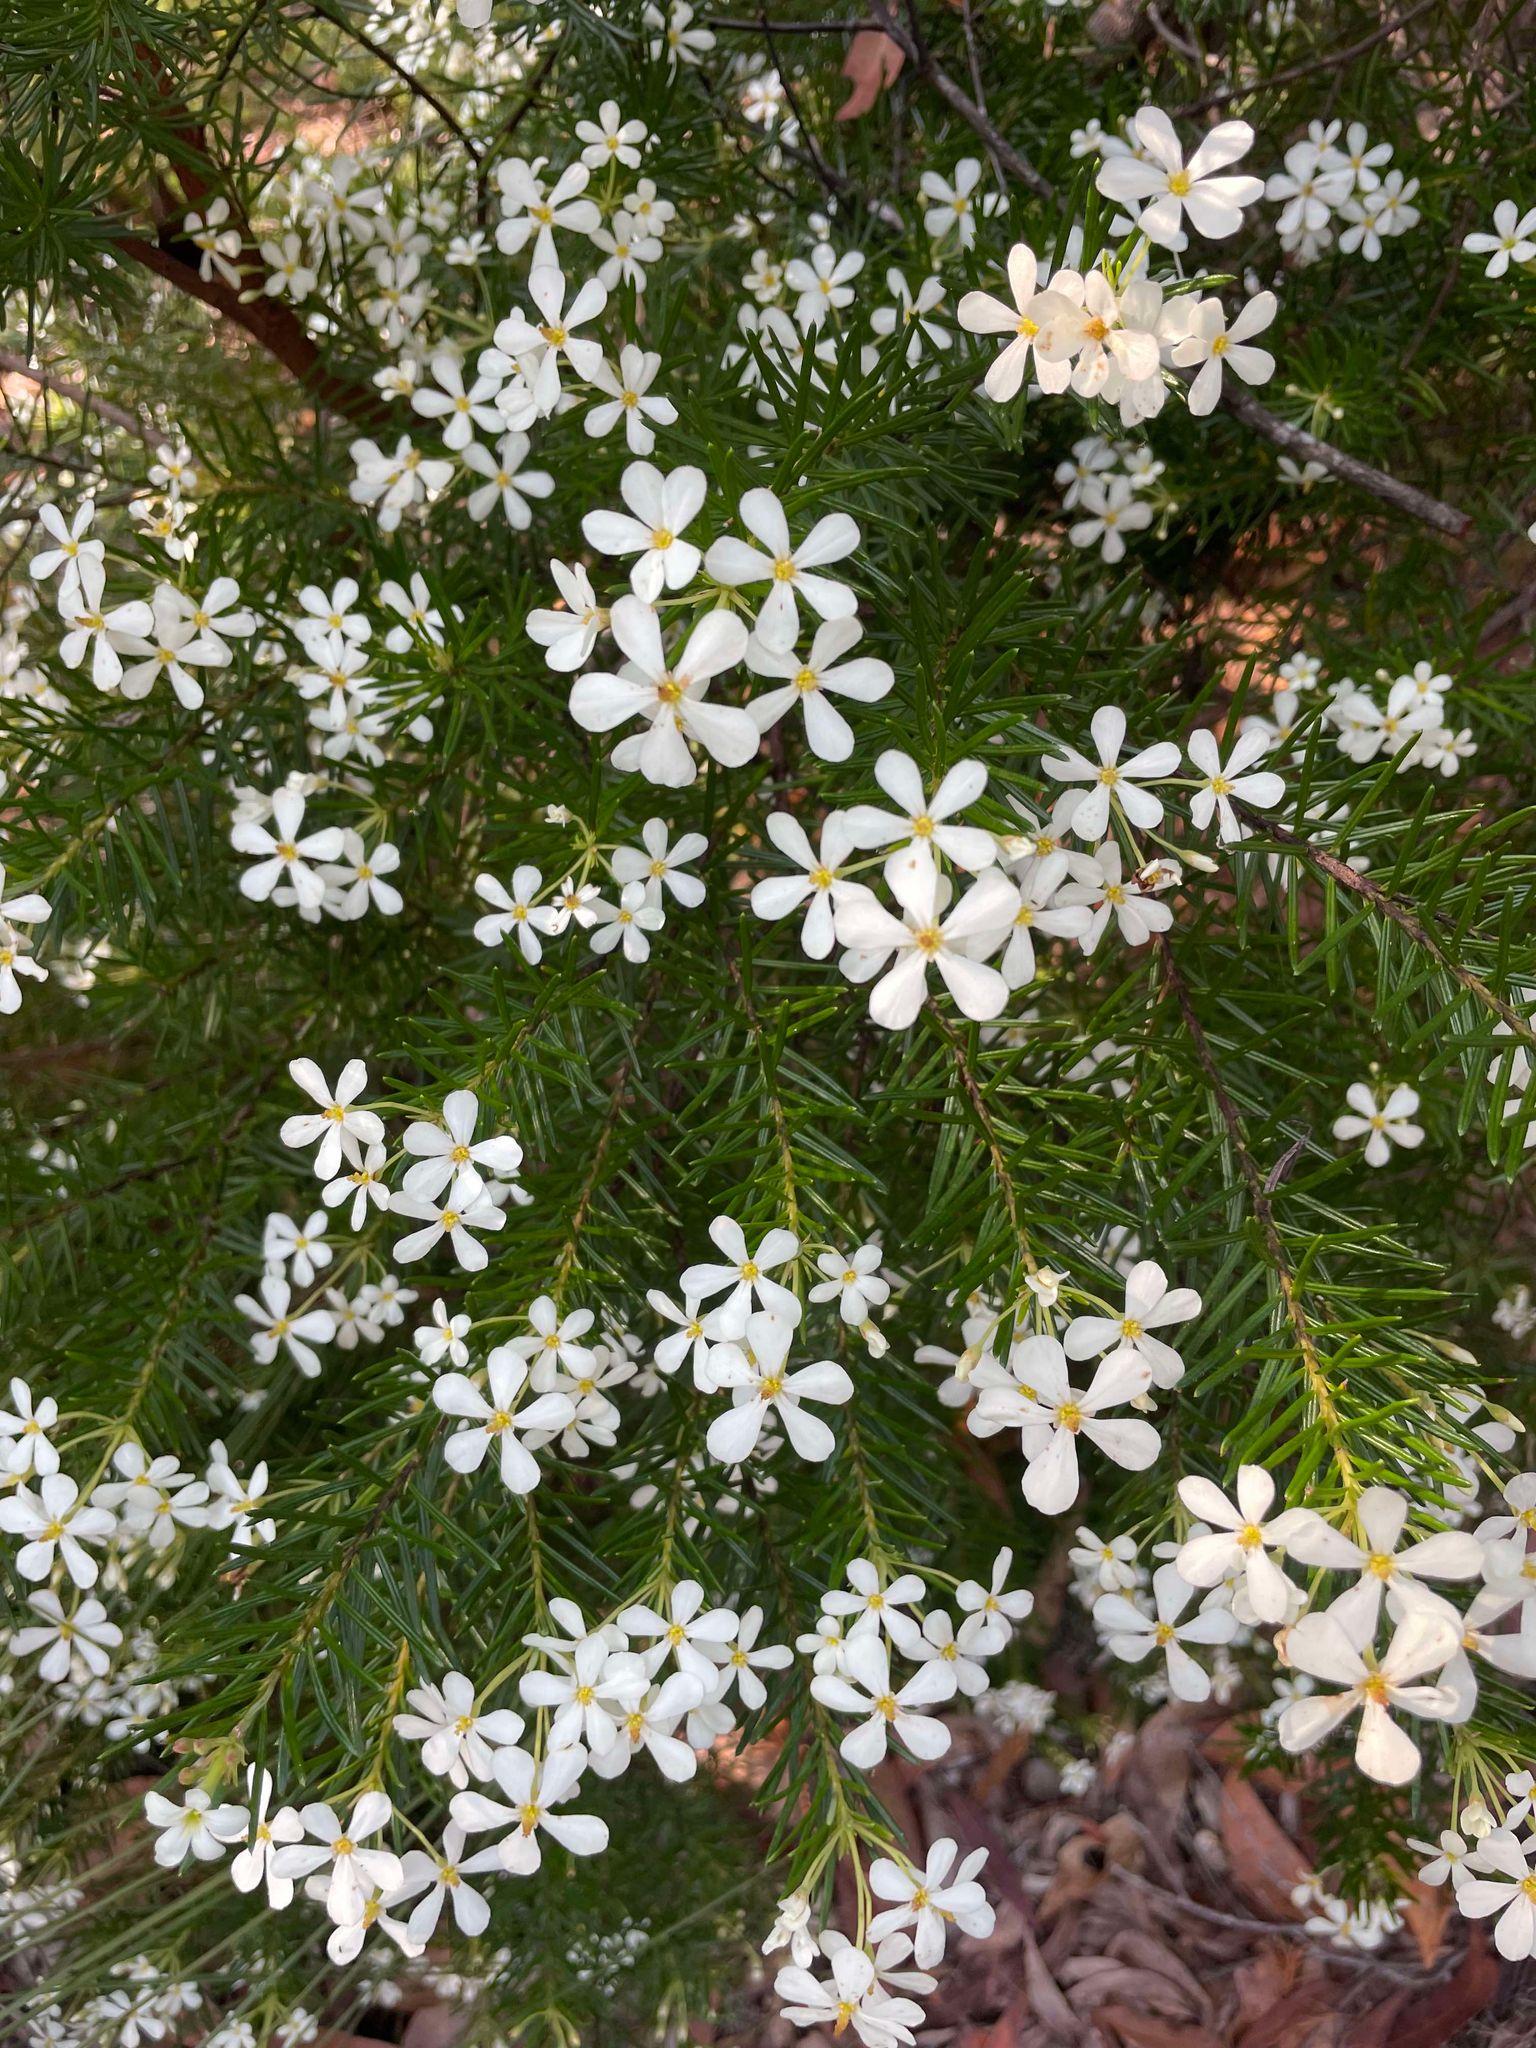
(1070,1416)
(1179,184)
(784,570)
(806,680)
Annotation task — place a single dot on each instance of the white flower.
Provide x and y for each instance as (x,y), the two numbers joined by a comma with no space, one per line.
(753,1367)
(588,1697)
(541,343)
(86,1633)
(533,1792)
(611,139)
(395,482)
(506,480)
(532,211)
(989,1611)
(919,826)
(456,1739)
(853,1281)
(283,1241)
(1113,511)
(516,911)
(422,619)
(1381,1514)
(977,925)
(1051,1415)
(792,1930)
(1513,241)
(441,1877)
(931,1900)
(745,1275)
(27,1423)
(659,866)
(661,507)
(911,316)
(288,275)
(284,853)
(1111,778)
(90,629)
(627,249)
(355,1872)
(824,284)
(628,394)
(688,1629)
(1131,1634)
(982,313)
(1227,783)
(454,1218)
(808,679)
(1209,342)
(875,1604)
(820,882)
(463,410)
(443,1338)
(339,1128)
(951,204)
(450,1151)
(629,922)
(1150,1304)
(1171,188)
(853,1997)
(669,695)
(71,545)
(1510,1893)
(218,245)
(648,1724)
(789,571)
(1382,1124)
(263,1840)
(1039,881)
(235,1503)
(884,1709)
(277,1329)
(551,1345)
(741,1660)
(569,635)
(496,1418)
(681,43)
(1240,1539)
(197,1827)
(1321,1646)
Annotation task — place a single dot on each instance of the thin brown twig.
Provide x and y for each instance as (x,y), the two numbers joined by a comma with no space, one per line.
(1335,59)
(1294,440)
(982,1112)
(1263,1213)
(408,79)
(1404,915)
(77,395)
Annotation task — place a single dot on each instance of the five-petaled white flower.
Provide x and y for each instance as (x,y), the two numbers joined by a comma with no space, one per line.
(668,693)
(1339,1655)
(534,1792)
(1051,1414)
(1240,1538)
(497,1417)
(356,1872)
(1382,1124)
(1112,779)
(1171,188)
(754,1367)
(789,571)
(1130,1633)
(885,1709)
(921,939)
